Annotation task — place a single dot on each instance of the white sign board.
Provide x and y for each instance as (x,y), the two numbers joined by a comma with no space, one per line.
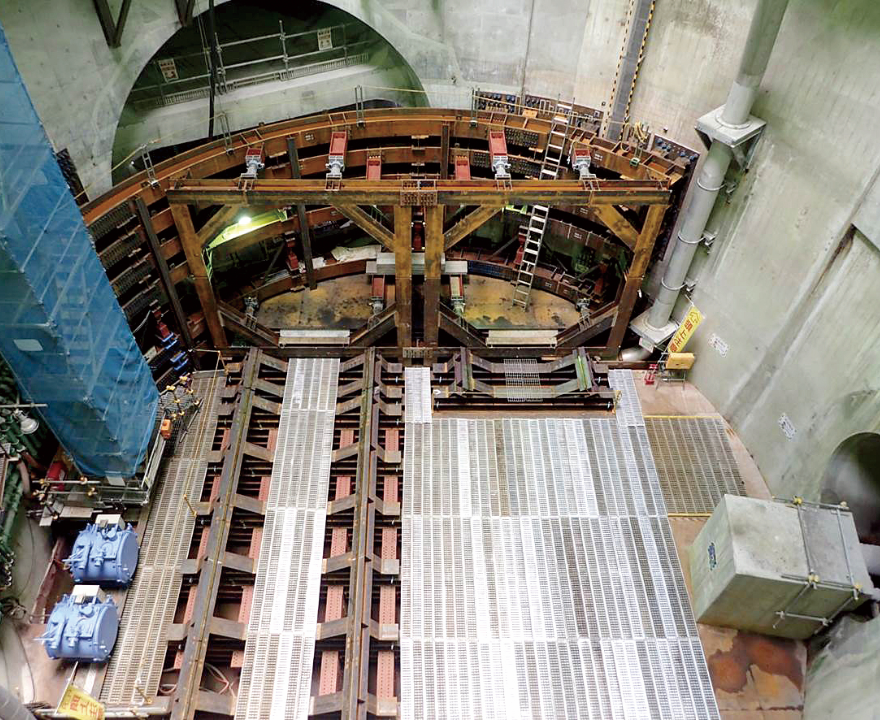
(325,39)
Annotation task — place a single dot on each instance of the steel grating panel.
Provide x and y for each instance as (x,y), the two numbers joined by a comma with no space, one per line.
(136,665)
(280,645)
(417,394)
(695,462)
(540,578)
(522,381)
(628,410)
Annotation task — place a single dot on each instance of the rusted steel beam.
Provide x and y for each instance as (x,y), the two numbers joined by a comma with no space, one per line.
(374,229)
(616,223)
(433,252)
(193,250)
(217,223)
(448,192)
(296,173)
(469,223)
(634,277)
(213,158)
(354,692)
(444,151)
(165,275)
(403,274)
(185,699)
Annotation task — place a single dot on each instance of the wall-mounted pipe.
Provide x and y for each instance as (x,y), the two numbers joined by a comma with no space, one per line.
(756,53)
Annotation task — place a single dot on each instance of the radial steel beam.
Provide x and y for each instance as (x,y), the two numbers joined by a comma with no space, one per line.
(444,192)
(469,223)
(634,276)
(434,241)
(193,250)
(374,229)
(304,234)
(403,274)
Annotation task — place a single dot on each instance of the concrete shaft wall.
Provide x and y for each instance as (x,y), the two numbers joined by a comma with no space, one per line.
(789,287)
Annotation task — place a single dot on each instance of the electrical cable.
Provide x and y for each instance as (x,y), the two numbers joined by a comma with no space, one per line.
(212,38)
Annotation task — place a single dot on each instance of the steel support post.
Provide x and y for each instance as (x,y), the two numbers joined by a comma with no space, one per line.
(301,212)
(193,251)
(433,253)
(403,273)
(634,276)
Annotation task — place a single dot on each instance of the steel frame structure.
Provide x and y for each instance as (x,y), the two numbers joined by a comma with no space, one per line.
(630,209)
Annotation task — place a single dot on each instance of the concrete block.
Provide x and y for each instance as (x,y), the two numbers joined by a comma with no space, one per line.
(751,560)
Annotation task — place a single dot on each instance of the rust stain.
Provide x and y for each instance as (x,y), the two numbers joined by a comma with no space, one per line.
(730,668)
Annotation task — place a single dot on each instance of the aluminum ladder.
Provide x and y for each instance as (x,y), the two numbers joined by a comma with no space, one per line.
(539,215)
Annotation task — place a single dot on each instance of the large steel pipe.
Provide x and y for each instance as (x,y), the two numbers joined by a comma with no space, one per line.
(762,36)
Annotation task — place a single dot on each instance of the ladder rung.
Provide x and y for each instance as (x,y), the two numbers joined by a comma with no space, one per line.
(542,208)
(555,147)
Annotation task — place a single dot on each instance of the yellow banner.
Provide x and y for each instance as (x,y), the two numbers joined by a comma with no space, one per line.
(690,323)
(76,703)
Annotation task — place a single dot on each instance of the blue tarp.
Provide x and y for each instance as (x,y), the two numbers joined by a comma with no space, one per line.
(61,329)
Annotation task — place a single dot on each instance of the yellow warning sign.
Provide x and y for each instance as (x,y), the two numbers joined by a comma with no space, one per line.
(76,703)
(690,323)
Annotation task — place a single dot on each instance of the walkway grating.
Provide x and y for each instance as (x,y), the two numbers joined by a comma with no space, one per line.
(136,665)
(695,462)
(280,646)
(539,575)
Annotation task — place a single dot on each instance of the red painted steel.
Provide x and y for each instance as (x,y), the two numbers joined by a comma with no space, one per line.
(329,682)
(387,604)
(335,602)
(338,541)
(374,168)
(462,167)
(338,143)
(385,674)
(390,493)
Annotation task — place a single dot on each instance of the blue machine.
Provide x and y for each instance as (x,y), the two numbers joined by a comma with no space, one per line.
(104,554)
(82,628)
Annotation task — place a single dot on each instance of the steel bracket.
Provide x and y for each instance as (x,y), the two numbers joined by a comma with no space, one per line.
(741,139)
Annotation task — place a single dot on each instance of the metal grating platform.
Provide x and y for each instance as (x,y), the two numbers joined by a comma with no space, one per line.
(540,578)
(628,408)
(695,462)
(279,651)
(417,394)
(136,665)
(522,381)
